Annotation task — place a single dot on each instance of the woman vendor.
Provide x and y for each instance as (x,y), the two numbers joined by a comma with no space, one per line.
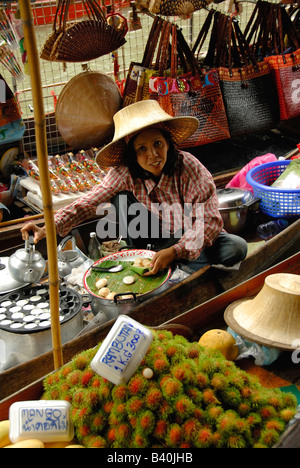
(149,171)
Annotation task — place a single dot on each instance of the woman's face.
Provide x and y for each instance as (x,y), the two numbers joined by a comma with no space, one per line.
(151,150)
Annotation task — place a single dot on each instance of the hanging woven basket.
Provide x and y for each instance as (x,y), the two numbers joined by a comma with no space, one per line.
(81,41)
(172,7)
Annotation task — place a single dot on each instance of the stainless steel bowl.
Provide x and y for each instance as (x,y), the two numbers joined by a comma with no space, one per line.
(234,206)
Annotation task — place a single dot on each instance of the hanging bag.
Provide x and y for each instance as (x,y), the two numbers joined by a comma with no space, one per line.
(193,93)
(81,41)
(136,73)
(275,39)
(247,86)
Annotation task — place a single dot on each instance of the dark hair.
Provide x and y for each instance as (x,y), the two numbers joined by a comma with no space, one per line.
(137,172)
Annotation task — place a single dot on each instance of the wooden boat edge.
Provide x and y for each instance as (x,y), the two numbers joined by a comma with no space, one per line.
(200,317)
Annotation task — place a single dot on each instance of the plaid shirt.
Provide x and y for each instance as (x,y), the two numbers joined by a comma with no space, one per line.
(191,186)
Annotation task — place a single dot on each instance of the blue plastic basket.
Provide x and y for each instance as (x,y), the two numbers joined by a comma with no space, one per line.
(277,203)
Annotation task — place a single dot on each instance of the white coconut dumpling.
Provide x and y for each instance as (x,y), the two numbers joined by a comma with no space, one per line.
(146,262)
(138,261)
(103,292)
(128,280)
(111,295)
(101,283)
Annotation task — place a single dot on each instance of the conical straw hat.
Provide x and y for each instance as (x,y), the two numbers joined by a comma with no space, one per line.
(85,109)
(137,117)
(272,318)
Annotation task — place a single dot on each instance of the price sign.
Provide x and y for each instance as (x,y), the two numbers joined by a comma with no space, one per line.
(48,421)
(122,350)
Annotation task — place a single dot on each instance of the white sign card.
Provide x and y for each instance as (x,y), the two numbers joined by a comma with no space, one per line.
(122,350)
(46,420)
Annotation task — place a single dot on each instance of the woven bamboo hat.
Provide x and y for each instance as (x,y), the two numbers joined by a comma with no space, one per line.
(85,109)
(272,318)
(136,117)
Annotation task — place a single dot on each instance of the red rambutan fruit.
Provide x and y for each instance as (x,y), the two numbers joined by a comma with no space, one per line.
(214,412)
(98,421)
(153,398)
(218,381)
(119,392)
(134,405)
(171,388)
(160,365)
(137,384)
(87,377)
(275,425)
(74,377)
(160,428)
(209,397)
(269,437)
(111,434)
(235,441)
(174,436)
(97,442)
(83,430)
(65,371)
(268,412)
(123,433)
(81,361)
(139,440)
(190,428)
(108,405)
(287,414)
(204,438)
(201,380)
(146,421)
(183,406)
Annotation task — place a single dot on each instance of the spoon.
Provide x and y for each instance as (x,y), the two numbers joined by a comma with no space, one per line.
(113,269)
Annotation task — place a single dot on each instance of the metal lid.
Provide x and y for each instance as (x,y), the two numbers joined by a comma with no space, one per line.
(7,283)
(233,197)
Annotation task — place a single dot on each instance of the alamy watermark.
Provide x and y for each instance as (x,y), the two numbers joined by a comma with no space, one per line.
(165,222)
(2,91)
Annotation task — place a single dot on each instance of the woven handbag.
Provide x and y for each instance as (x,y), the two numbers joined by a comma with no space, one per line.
(276,40)
(81,41)
(193,93)
(247,85)
(137,81)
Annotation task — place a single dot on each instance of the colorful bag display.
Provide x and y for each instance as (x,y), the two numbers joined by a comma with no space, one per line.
(247,85)
(195,93)
(276,40)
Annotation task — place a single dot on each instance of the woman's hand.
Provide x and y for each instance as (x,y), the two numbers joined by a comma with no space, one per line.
(161,260)
(38,232)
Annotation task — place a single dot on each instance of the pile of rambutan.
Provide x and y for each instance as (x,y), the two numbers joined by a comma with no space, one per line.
(195,399)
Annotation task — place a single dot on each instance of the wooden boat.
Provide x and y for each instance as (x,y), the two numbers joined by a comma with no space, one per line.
(194,322)
(166,307)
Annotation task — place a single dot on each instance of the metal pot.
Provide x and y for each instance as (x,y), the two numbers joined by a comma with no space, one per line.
(119,305)
(25,333)
(234,206)
(27,265)
(7,283)
(68,259)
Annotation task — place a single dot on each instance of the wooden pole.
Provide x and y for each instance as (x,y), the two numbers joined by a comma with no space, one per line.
(42,156)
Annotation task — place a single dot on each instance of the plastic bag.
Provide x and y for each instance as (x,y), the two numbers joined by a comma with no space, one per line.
(290,178)
(263,356)
(239,180)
